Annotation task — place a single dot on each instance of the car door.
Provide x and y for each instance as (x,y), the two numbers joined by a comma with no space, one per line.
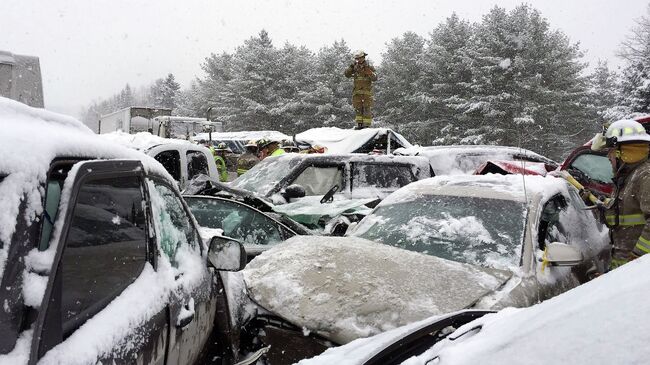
(591,168)
(254,229)
(95,306)
(193,301)
(565,219)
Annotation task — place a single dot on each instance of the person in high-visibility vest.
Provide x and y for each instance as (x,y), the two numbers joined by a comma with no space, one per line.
(628,214)
(268,148)
(249,159)
(364,74)
(220,159)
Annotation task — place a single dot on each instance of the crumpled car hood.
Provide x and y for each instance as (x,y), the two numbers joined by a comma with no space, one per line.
(344,288)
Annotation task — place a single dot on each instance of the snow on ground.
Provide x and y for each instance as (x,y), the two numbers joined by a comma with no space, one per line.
(600,322)
(339,140)
(369,287)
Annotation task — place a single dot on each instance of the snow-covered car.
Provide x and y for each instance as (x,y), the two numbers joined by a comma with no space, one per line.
(466,159)
(367,140)
(587,325)
(100,258)
(257,230)
(439,245)
(183,160)
(353,181)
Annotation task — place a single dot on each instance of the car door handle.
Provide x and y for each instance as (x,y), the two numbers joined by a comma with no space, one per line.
(186,315)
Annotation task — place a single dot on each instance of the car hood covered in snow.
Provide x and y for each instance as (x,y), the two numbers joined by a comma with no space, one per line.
(344,288)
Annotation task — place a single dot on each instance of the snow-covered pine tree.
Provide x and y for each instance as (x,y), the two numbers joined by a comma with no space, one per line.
(396,85)
(332,91)
(526,83)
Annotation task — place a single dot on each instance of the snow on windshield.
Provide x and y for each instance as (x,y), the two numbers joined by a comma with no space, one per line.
(480,231)
(262,178)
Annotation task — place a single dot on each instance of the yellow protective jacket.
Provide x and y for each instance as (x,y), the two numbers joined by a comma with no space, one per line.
(629,215)
(364,75)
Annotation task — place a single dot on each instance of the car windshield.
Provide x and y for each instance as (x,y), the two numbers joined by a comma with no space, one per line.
(480,231)
(262,178)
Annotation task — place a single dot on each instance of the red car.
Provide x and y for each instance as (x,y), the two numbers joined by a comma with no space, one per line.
(592,168)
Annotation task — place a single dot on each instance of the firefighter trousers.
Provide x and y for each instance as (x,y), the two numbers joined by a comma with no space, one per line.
(362,107)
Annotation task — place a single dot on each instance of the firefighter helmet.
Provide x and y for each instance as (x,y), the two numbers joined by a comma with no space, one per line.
(626,131)
(359,54)
(222,147)
(251,143)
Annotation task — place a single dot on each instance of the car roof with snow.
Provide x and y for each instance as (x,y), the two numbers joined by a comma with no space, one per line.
(466,158)
(31,138)
(493,186)
(339,140)
(242,135)
(143,141)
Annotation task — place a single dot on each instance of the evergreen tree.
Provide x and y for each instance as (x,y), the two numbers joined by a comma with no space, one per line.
(164,92)
(400,71)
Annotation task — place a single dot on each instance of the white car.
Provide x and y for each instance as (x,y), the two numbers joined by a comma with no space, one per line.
(183,160)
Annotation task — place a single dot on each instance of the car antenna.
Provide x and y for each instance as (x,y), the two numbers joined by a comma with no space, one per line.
(523,166)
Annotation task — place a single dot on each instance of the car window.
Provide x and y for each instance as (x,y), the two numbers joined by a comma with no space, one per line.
(171,161)
(173,225)
(381,175)
(595,167)
(319,180)
(551,225)
(196,164)
(236,220)
(105,249)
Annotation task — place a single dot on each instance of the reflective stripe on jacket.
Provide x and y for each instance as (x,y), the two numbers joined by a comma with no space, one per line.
(629,216)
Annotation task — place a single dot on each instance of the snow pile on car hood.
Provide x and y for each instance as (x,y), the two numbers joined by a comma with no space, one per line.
(140,141)
(339,140)
(346,287)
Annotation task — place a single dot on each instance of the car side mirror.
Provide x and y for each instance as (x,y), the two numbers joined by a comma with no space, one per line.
(294,191)
(226,254)
(560,254)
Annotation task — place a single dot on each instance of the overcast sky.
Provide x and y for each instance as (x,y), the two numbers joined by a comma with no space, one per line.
(91,49)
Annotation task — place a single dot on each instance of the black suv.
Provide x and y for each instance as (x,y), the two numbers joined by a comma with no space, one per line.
(100,258)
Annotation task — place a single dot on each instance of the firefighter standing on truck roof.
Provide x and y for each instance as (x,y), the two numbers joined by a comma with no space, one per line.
(628,214)
(364,75)
(249,159)
(220,159)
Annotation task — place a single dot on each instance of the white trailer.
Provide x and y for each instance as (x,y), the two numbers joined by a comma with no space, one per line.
(157,121)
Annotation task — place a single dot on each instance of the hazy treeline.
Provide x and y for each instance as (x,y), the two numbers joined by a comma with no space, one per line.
(509,79)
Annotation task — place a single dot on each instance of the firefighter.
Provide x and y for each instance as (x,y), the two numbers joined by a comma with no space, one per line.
(268,148)
(628,214)
(249,159)
(220,159)
(289,146)
(364,75)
